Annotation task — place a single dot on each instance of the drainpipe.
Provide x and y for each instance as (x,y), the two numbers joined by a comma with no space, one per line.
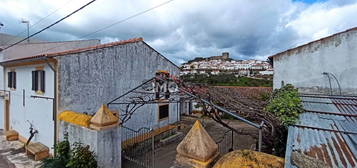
(54,101)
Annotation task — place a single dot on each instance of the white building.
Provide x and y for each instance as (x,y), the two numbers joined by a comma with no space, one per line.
(81,80)
(20,108)
(267,72)
(325,65)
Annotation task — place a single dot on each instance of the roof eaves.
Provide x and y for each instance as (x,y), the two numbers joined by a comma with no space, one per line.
(49,55)
(311,42)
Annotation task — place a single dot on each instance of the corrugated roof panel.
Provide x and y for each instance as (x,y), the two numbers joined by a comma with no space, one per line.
(330,136)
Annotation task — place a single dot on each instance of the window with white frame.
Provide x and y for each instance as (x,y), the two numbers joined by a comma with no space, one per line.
(38,81)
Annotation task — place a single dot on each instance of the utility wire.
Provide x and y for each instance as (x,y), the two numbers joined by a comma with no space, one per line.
(117,22)
(39,21)
(50,25)
(128,18)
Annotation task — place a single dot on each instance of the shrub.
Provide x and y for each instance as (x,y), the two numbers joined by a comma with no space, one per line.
(78,157)
(63,150)
(82,157)
(62,154)
(285,104)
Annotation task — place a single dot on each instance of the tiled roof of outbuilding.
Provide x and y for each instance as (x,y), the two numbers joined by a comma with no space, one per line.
(53,54)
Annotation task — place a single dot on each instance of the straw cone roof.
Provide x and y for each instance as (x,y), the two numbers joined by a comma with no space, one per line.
(104,117)
(198,144)
(248,158)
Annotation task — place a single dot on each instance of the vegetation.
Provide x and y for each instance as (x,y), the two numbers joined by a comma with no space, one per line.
(65,157)
(285,104)
(226,80)
(82,157)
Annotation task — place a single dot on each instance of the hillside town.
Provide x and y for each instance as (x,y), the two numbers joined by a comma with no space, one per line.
(215,65)
(83,86)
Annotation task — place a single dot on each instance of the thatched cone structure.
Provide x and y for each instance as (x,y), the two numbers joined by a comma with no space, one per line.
(248,158)
(103,118)
(197,149)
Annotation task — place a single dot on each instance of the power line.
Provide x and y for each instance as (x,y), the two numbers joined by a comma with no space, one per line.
(118,22)
(51,25)
(130,17)
(40,20)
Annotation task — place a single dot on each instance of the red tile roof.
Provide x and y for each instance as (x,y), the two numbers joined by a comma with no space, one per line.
(122,42)
(322,39)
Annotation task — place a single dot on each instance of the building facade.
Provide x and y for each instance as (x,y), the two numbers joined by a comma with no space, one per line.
(91,78)
(324,66)
(28,88)
(81,80)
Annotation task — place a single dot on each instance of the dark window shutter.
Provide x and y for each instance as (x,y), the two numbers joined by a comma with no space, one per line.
(33,80)
(9,79)
(36,80)
(43,81)
(14,80)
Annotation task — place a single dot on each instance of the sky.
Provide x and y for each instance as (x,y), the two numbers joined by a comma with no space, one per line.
(184,29)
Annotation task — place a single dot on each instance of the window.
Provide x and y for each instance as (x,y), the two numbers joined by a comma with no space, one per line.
(38,80)
(163,111)
(11,80)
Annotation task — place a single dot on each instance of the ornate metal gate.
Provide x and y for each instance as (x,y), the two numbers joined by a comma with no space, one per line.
(137,148)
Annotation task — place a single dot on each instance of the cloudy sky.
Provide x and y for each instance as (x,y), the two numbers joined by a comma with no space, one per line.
(184,29)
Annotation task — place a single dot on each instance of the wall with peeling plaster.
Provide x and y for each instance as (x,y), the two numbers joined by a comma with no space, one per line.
(88,79)
(304,65)
(103,143)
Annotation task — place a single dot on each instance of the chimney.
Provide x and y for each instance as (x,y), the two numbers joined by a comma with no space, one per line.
(225,55)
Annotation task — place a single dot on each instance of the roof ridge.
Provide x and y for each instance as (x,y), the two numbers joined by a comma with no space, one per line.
(66,41)
(72,51)
(314,41)
(115,43)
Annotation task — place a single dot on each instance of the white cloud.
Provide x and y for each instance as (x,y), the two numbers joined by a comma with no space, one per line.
(323,19)
(184,29)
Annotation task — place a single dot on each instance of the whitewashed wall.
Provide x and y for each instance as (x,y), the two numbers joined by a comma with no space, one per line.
(303,67)
(2,117)
(37,111)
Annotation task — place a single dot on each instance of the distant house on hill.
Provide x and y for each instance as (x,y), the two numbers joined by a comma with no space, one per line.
(327,65)
(223,65)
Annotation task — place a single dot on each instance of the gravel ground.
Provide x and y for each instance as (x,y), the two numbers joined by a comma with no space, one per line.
(12,155)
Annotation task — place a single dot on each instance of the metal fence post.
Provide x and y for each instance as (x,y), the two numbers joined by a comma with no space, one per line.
(260,136)
(153,148)
(260,140)
(232,145)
